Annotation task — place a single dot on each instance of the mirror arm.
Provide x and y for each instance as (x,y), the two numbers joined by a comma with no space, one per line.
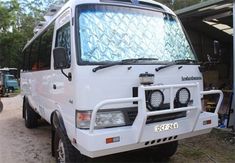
(69,76)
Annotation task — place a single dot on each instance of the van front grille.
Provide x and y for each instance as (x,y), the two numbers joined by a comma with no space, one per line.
(132,113)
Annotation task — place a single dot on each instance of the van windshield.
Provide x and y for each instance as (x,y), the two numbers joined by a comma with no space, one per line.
(109,33)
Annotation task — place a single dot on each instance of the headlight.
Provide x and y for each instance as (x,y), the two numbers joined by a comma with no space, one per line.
(183,96)
(155,99)
(103,119)
(109,119)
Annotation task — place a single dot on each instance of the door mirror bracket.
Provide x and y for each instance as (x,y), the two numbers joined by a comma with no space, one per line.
(61,61)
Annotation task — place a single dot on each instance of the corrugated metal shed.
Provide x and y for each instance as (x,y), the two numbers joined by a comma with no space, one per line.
(213,17)
(208,21)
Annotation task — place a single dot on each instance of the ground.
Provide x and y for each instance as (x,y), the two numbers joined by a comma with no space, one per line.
(22,145)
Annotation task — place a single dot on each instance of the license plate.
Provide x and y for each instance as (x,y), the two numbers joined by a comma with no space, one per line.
(166,127)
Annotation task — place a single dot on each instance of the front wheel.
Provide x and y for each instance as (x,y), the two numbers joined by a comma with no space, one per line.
(11,89)
(163,151)
(64,150)
(30,116)
(1,106)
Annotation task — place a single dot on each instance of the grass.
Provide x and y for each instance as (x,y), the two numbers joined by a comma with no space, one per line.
(12,94)
(190,152)
(17,91)
(213,147)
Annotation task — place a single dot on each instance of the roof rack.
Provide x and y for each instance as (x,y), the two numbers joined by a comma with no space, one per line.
(137,2)
(47,17)
(39,26)
(52,11)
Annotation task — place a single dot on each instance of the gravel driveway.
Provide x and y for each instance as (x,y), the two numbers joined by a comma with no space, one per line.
(21,145)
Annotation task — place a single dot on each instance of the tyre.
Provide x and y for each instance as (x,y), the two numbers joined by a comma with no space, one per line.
(163,151)
(64,150)
(3,91)
(30,116)
(1,106)
(12,89)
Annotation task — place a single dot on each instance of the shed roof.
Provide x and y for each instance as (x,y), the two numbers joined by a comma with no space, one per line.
(212,17)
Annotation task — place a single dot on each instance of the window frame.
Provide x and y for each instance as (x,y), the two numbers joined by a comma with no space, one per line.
(50,27)
(78,40)
(64,26)
(27,65)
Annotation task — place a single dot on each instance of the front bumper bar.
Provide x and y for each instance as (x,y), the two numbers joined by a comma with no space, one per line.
(135,136)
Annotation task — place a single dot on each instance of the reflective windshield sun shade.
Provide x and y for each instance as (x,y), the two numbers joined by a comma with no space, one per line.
(113,33)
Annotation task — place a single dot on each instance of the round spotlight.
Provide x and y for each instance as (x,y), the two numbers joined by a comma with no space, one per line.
(155,100)
(183,96)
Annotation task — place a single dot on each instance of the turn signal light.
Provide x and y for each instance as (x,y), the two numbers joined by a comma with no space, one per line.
(112,140)
(207,122)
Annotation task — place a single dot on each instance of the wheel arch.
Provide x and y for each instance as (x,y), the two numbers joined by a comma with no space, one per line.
(23,109)
(56,120)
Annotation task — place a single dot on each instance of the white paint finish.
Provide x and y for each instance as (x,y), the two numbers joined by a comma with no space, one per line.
(117,81)
(94,145)
(87,89)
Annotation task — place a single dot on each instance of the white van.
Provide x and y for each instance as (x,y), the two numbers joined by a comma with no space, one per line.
(112,76)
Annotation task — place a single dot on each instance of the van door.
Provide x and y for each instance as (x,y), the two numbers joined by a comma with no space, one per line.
(61,87)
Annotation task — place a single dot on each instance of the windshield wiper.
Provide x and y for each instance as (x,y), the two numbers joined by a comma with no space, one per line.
(122,62)
(177,62)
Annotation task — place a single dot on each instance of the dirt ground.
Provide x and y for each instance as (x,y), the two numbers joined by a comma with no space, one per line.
(21,145)
(17,143)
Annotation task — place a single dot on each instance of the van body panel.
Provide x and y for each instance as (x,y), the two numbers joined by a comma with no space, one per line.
(103,84)
(114,90)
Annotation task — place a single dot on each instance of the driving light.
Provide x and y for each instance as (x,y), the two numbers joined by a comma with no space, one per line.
(183,96)
(146,78)
(155,99)
(104,119)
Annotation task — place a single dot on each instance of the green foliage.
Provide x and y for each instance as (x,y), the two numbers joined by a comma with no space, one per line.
(8,11)
(8,32)
(17,21)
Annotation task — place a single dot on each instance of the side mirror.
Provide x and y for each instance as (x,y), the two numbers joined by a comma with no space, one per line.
(60,58)
(61,61)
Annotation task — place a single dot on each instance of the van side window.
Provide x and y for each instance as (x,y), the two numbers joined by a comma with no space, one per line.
(44,58)
(63,39)
(34,55)
(26,59)
(37,55)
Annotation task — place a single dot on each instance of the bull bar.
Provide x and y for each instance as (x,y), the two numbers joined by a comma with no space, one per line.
(143,113)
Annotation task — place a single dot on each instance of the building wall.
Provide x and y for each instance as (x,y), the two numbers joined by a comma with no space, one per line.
(204,46)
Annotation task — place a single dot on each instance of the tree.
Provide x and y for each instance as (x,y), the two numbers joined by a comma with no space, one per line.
(8,12)
(17,21)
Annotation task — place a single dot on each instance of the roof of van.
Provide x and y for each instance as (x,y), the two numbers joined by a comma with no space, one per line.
(146,3)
